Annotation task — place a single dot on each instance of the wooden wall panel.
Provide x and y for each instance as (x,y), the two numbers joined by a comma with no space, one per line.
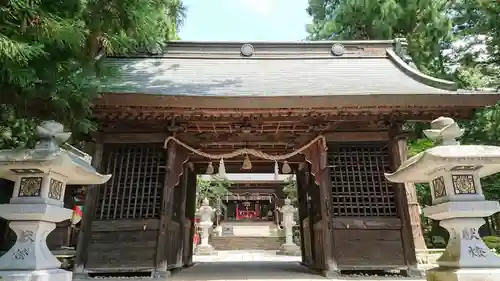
(130,250)
(123,245)
(358,249)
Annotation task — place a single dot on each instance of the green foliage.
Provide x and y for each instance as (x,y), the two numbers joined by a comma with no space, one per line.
(477,23)
(290,189)
(493,242)
(51,56)
(214,190)
(422,22)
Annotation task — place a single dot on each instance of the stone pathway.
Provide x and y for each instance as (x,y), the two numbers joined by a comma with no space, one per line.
(257,266)
(245,255)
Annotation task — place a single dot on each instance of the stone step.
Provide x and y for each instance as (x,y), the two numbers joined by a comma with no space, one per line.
(246,243)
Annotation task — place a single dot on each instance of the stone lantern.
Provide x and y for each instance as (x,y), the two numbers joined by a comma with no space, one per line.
(454,172)
(288,211)
(40,176)
(205,214)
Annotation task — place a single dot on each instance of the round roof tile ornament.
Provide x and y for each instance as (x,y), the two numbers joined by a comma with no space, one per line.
(247,50)
(337,49)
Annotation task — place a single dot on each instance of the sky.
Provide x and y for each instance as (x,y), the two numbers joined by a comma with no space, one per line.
(245,20)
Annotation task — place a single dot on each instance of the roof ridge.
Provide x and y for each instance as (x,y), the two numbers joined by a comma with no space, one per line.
(251,49)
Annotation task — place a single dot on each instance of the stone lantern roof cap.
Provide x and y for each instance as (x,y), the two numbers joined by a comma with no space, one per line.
(483,159)
(51,154)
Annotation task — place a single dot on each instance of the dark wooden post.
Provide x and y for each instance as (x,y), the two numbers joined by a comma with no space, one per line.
(325,187)
(312,194)
(85,235)
(302,199)
(413,206)
(182,215)
(190,214)
(161,270)
(401,191)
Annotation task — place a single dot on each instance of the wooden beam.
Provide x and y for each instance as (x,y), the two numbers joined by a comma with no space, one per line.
(134,137)
(356,136)
(223,105)
(91,197)
(229,117)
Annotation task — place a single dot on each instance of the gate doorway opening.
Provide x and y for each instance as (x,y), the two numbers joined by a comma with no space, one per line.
(246,208)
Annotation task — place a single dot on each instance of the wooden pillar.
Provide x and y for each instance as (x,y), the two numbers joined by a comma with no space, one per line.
(412,199)
(182,215)
(85,235)
(325,187)
(312,193)
(302,199)
(166,214)
(190,215)
(408,223)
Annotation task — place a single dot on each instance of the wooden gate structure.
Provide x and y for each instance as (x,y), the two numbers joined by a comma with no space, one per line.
(273,97)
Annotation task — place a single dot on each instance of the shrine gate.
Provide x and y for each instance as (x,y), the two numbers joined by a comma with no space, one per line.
(343,103)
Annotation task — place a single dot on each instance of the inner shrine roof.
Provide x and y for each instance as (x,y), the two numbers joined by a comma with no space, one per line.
(259,69)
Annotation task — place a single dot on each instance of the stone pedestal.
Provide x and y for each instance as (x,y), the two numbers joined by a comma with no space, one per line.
(32,219)
(463,274)
(289,250)
(466,257)
(204,248)
(40,177)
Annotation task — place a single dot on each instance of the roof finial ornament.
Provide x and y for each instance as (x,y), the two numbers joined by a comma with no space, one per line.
(401,49)
(445,131)
(51,135)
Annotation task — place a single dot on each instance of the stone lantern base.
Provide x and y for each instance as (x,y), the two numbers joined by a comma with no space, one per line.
(289,250)
(205,250)
(467,274)
(37,275)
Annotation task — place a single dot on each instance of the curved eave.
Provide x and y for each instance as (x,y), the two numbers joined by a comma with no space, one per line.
(420,168)
(62,164)
(419,76)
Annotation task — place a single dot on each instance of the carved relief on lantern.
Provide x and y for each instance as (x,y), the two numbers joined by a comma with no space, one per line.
(30,187)
(463,184)
(439,187)
(55,189)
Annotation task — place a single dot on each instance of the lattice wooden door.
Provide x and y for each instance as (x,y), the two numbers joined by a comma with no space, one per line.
(364,210)
(128,207)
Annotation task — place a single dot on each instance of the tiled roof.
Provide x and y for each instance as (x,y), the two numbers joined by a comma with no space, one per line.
(275,69)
